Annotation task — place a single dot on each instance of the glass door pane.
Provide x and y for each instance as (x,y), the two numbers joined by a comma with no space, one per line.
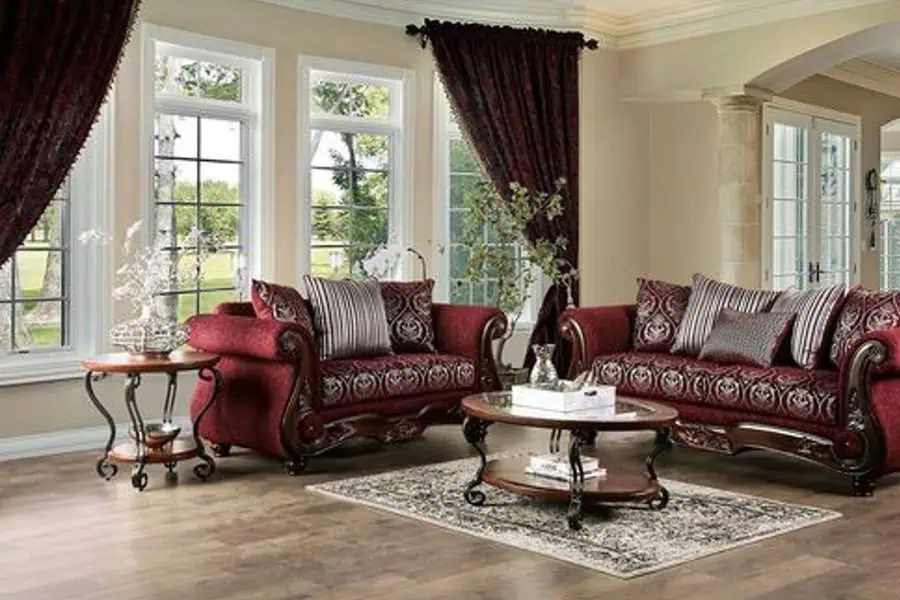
(790,206)
(834,262)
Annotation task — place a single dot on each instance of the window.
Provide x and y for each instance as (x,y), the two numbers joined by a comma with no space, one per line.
(207,193)
(890,221)
(457,174)
(810,198)
(54,303)
(354,148)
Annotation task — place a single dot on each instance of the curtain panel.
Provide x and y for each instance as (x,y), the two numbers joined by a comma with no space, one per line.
(57,59)
(515,94)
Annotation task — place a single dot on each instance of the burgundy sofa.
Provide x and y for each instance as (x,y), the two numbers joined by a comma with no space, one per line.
(847,419)
(279,399)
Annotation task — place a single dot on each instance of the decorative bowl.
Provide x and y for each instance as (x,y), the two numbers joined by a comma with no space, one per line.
(158,435)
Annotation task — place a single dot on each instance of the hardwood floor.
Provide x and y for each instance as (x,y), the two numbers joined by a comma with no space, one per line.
(253,533)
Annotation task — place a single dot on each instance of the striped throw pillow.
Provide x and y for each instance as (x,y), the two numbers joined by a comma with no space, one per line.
(708,298)
(814,312)
(349,317)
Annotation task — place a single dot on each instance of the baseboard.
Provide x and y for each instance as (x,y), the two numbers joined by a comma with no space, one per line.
(69,440)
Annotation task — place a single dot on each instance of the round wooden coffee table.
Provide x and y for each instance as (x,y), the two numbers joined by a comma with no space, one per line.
(621,484)
(158,442)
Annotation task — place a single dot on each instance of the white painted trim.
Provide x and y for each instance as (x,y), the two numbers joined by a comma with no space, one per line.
(699,18)
(69,440)
(811,110)
(867,74)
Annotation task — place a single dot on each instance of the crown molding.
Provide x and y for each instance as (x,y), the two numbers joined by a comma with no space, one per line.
(703,17)
(866,74)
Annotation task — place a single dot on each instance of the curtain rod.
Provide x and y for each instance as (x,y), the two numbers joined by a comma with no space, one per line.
(421,32)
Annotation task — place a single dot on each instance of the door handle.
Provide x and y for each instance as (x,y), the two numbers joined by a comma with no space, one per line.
(812,273)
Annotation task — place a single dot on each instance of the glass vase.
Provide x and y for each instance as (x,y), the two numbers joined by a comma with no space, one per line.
(543,371)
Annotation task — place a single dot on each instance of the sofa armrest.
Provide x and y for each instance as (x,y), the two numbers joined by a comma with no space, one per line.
(595,331)
(470,331)
(251,337)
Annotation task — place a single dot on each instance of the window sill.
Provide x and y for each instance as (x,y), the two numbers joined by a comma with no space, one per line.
(39,367)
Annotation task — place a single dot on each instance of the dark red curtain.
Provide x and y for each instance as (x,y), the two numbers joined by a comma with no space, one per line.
(57,59)
(515,92)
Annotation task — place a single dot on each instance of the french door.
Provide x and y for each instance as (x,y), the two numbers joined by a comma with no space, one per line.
(810,187)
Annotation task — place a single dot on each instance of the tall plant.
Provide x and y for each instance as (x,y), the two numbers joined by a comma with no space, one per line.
(494,231)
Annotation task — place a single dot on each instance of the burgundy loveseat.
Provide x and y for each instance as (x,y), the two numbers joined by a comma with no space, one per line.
(847,419)
(279,399)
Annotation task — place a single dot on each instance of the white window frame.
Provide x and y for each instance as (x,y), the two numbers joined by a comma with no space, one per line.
(445,132)
(398,126)
(886,184)
(799,114)
(256,109)
(89,269)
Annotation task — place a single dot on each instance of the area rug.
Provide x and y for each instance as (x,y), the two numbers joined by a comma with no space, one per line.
(623,542)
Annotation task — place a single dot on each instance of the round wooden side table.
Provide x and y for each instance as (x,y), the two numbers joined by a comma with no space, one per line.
(158,445)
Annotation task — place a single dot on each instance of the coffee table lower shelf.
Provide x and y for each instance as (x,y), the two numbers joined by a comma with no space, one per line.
(619,485)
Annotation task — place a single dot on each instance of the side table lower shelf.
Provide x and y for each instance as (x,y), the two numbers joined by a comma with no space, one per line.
(178,450)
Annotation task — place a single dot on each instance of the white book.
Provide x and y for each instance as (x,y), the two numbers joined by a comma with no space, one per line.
(557,466)
(564,476)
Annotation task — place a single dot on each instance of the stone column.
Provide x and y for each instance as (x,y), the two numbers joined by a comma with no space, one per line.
(740,200)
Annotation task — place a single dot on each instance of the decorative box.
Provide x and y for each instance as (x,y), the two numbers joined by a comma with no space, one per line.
(560,399)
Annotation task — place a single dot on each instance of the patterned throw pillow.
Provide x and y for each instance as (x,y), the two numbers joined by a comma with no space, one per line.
(864,311)
(746,338)
(349,317)
(407,305)
(660,308)
(814,312)
(707,299)
(279,303)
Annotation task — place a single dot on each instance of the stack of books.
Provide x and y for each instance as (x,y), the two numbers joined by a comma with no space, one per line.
(556,466)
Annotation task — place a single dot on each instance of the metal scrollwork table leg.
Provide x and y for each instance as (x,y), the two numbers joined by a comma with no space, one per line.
(138,476)
(205,470)
(475,431)
(663,443)
(105,468)
(577,439)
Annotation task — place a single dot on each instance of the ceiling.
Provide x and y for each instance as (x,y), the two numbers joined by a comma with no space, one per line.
(888,57)
(615,23)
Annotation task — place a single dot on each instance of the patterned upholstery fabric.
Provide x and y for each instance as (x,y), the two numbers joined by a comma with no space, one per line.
(275,302)
(815,311)
(349,317)
(786,392)
(407,305)
(864,311)
(660,308)
(707,299)
(383,377)
(746,338)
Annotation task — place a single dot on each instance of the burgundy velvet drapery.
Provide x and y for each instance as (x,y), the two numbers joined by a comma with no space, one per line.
(515,92)
(57,59)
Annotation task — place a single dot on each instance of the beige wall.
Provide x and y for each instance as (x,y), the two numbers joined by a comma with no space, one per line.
(875,110)
(614,180)
(683,216)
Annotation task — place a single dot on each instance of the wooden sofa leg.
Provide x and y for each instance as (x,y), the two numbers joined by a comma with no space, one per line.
(295,465)
(221,449)
(864,485)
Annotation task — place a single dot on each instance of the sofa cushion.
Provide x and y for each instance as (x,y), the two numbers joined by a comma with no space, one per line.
(788,392)
(863,312)
(349,317)
(660,308)
(366,379)
(407,305)
(708,298)
(746,338)
(280,303)
(815,311)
